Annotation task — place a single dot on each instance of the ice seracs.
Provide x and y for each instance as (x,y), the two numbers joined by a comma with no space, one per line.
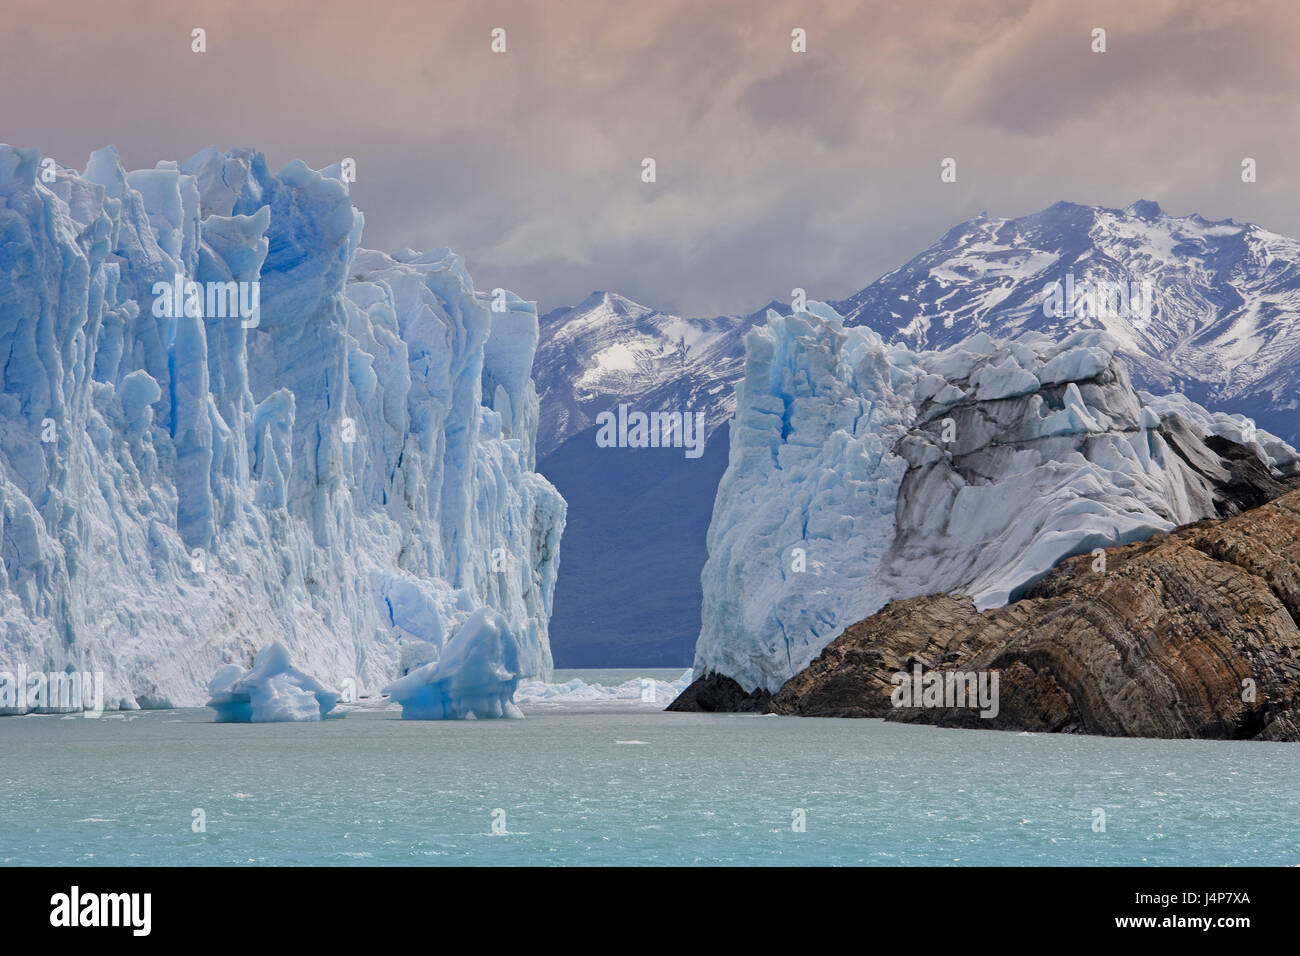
(271,690)
(862,472)
(351,475)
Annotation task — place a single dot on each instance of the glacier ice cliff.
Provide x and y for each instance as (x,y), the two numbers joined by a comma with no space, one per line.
(861,472)
(347,471)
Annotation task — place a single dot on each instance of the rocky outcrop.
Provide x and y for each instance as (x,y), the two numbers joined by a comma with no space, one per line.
(717,693)
(1190,634)
(851,677)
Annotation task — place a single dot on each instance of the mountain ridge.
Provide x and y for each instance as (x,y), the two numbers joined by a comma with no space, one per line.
(989,274)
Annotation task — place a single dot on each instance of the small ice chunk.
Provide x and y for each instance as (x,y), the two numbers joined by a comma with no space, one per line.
(273,690)
(476,675)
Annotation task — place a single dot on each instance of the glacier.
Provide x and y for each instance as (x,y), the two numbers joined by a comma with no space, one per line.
(861,472)
(349,471)
(271,690)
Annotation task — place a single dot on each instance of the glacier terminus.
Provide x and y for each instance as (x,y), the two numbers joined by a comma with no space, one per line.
(347,474)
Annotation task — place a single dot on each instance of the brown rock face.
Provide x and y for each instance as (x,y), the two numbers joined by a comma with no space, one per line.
(851,677)
(1189,634)
(717,693)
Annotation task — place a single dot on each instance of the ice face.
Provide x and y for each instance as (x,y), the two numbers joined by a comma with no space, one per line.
(860,473)
(272,690)
(223,424)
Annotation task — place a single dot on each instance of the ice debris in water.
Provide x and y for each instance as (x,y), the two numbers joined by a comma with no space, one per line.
(646,690)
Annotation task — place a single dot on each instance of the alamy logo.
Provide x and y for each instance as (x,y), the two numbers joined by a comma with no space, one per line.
(213,300)
(53,691)
(103,909)
(1099,298)
(948,689)
(653,430)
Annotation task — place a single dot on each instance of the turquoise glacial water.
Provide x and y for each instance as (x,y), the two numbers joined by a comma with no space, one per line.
(624,783)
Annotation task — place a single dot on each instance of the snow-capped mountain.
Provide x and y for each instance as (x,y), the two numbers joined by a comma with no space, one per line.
(862,472)
(609,350)
(1223,325)
(343,464)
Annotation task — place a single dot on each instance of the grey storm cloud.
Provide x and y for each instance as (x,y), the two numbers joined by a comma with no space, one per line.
(796,101)
(775,169)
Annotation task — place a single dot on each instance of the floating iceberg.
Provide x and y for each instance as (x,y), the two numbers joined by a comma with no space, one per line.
(644,690)
(272,690)
(860,473)
(475,675)
(323,446)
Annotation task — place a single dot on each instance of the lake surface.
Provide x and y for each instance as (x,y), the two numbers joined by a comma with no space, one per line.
(621,782)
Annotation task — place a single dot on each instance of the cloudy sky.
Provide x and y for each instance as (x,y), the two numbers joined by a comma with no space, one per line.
(775,169)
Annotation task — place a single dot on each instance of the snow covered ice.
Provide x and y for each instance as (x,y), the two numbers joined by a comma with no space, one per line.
(272,690)
(860,473)
(347,471)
